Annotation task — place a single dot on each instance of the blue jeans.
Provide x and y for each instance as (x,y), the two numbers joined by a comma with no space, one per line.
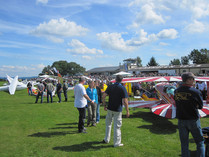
(193,126)
(30,91)
(59,96)
(65,94)
(49,93)
(37,96)
(97,113)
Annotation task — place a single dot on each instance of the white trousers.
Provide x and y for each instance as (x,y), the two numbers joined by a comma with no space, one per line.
(117,116)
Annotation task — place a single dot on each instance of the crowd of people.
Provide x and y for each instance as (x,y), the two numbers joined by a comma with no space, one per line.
(50,88)
(187,95)
(117,98)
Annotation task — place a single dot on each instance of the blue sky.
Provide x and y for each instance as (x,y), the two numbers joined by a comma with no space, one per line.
(92,33)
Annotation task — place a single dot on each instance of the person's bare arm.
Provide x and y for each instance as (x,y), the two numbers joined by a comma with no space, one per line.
(87,98)
(125,103)
(103,101)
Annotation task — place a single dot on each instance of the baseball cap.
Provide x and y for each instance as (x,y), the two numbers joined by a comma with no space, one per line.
(187,75)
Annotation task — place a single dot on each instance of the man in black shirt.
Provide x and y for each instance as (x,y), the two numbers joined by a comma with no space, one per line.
(188,101)
(117,97)
(59,90)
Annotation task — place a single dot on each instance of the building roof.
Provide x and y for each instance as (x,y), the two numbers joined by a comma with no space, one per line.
(104,69)
(130,59)
(163,67)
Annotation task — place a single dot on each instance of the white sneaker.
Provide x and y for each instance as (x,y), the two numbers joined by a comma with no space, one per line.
(119,145)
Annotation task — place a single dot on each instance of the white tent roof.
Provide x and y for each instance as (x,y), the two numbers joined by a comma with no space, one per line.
(123,73)
(45,76)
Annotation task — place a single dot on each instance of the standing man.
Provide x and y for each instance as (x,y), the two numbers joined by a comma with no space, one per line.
(117,97)
(59,91)
(80,103)
(40,88)
(50,89)
(65,87)
(29,85)
(188,101)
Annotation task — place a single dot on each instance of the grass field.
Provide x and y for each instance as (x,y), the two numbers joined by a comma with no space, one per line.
(48,130)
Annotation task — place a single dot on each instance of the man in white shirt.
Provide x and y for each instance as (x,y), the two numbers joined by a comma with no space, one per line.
(80,103)
(202,86)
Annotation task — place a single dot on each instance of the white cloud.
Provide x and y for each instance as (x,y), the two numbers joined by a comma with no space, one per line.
(148,15)
(163,44)
(171,54)
(114,41)
(87,57)
(80,48)
(168,34)
(143,38)
(55,29)
(42,1)
(32,70)
(6,26)
(195,27)
(198,8)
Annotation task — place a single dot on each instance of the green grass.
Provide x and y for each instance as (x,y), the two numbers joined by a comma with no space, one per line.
(44,130)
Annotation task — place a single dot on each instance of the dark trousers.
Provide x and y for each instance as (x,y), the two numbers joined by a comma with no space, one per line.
(59,96)
(204,94)
(65,94)
(81,119)
(49,93)
(37,96)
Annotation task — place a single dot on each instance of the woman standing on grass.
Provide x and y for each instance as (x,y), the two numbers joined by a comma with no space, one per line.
(92,93)
(99,95)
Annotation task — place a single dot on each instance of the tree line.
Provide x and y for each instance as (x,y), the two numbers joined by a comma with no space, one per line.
(195,56)
(64,68)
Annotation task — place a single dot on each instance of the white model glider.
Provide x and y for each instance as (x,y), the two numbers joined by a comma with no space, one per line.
(13,85)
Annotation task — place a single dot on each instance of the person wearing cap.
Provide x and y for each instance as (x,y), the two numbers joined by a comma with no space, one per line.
(65,88)
(40,88)
(80,103)
(59,91)
(188,100)
(50,89)
(117,97)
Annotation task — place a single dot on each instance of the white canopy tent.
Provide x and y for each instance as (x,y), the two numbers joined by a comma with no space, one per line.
(123,73)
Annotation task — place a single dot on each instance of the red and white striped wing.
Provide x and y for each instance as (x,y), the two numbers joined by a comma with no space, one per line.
(169,110)
(204,111)
(143,104)
(165,110)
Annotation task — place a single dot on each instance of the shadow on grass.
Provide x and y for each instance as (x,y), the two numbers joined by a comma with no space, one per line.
(67,124)
(69,127)
(51,134)
(83,147)
(159,124)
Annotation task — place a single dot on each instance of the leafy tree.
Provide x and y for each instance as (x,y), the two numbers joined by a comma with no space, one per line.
(185,60)
(46,69)
(65,68)
(61,66)
(138,62)
(175,62)
(152,62)
(199,57)
(74,68)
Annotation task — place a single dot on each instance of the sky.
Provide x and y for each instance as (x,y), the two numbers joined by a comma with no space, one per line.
(98,33)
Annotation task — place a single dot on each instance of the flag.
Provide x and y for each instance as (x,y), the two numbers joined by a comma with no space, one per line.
(55,70)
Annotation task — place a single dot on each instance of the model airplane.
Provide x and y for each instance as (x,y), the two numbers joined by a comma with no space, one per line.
(13,85)
(165,105)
